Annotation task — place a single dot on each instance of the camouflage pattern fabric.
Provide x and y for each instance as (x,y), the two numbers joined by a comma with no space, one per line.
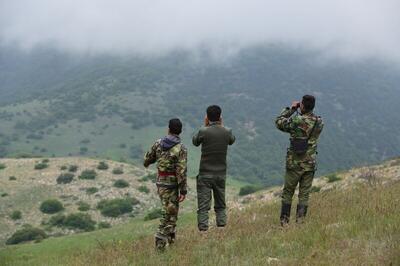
(174,161)
(299,168)
(170,209)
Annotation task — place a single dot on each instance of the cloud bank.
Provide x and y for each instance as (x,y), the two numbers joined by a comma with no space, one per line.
(349,28)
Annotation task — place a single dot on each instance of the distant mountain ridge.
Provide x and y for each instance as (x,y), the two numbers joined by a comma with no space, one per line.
(114,107)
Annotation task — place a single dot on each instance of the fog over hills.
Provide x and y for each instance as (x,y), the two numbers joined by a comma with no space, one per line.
(101,79)
(114,106)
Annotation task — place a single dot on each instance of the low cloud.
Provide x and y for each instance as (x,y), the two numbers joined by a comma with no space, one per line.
(346,28)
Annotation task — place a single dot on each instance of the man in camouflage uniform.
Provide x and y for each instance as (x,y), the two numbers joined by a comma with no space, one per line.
(214,139)
(171,158)
(304,130)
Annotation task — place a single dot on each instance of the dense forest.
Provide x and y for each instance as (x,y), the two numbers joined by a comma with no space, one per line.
(55,104)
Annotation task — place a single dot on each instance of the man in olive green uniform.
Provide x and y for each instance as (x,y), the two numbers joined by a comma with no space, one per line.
(171,158)
(304,130)
(214,139)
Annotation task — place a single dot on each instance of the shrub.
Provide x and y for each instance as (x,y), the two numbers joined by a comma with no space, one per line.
(153,214)
(12,178)
(73,168)
(122,145)
(4,194)
(41,165)
(16,215)
(57,220)
(249,189)
(121,183)
(103,225)
(2,166)
(65,178)
(133,200)
(144,189)
(51,206)
(81,221)
(63,167)
(151,177)
(28,233)
(85,141)
(102,166)
(118,171)
(114,207)
(45,161)
(83,150)
(315,189)
(88,174)
(91,190)
(83,206)
(332,178)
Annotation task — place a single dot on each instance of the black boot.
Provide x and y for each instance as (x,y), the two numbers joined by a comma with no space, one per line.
(171,238)
(160,244)
(285,213)
(301,213)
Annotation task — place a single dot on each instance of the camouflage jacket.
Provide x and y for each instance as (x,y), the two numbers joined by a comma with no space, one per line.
(300,126)
(169,160)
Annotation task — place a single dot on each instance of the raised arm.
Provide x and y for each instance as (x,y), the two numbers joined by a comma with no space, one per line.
(232,137)
(284,122)
(150,156)
(198,138)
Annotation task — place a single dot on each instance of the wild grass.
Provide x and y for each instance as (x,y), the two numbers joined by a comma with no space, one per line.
(359,226)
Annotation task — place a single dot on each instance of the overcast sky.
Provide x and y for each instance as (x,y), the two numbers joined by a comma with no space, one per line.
(350,28)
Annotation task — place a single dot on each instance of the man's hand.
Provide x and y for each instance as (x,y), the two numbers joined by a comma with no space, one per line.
(206,121)
(181,198)
(295,104)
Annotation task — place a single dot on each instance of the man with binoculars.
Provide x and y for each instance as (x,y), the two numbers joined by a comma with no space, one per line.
(304,129)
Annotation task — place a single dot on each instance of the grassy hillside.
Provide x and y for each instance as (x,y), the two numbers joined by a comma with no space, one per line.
(23,188)
(114,107)
(353,220)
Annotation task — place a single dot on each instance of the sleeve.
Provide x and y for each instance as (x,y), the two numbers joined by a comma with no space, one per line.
(150,156)
(232,137)
(181,171)
(284,122)
(198,138)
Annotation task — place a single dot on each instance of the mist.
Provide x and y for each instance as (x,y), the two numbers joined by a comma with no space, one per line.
(341,28)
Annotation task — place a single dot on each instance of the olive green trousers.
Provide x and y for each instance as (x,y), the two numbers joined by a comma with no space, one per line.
(208,187)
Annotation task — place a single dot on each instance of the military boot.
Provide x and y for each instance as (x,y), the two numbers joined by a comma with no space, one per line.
(171,238)
(285,213)
(301,213)
(160,244)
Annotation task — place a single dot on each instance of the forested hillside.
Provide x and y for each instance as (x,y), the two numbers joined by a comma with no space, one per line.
(56,104)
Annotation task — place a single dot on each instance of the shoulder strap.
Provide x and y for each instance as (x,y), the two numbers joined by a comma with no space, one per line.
(312,130)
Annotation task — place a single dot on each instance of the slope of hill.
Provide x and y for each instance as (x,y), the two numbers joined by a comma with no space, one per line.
(113,107)
(23,188)
(353,220)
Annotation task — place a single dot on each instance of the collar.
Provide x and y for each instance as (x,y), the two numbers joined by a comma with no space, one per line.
(214,123)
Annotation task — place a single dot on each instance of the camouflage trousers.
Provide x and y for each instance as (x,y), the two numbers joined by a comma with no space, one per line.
(294,177)
(207,185)
(170,209)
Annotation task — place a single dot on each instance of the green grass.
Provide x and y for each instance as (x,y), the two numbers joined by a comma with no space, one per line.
(333,178)
(368,233)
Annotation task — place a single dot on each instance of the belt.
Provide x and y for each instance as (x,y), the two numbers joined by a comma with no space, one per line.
(167,185)
(160,173)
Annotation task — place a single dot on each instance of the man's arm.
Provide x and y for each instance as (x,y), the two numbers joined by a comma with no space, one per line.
(284,122)
(198,138)
(150,156)
(181,171)
(232,137)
